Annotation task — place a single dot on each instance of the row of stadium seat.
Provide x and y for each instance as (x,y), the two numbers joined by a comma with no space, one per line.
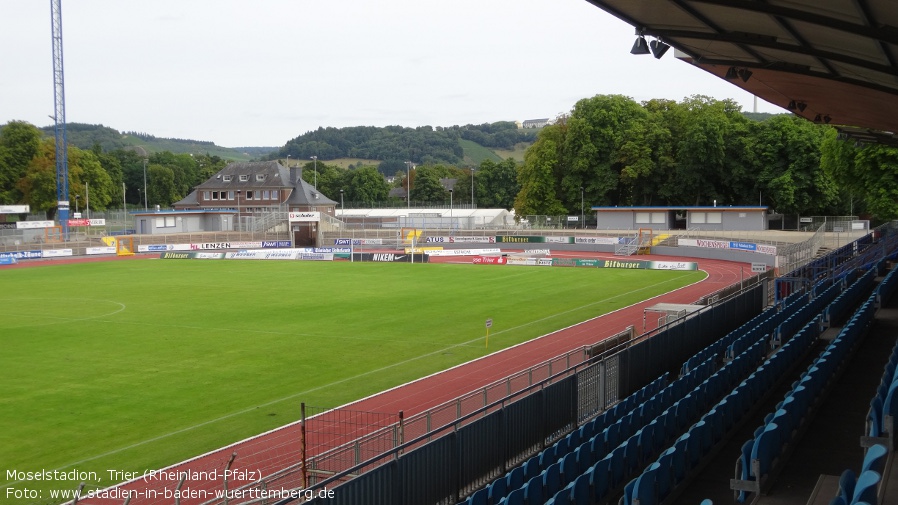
(862,487)
(674,464)
(884,405)
(863,490)
(672,467)
(761,454)
(556,464)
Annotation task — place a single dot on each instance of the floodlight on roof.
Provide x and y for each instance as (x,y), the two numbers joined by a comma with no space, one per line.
(640,46)
(731,73)
(745,74)
(827,119)
(658,48)
(792,105)
(802,106)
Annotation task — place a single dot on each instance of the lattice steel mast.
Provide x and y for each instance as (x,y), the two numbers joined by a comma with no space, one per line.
(62,163)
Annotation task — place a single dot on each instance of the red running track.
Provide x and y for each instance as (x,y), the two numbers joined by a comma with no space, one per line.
(267,453)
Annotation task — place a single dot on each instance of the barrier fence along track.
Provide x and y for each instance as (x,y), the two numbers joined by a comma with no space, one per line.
(384,439)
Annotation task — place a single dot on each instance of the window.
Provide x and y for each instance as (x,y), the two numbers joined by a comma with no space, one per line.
(244,178)
(215,195)
(206,195)
(266,195)
(260,177)
(715,217)
(697,217)
(165,222)
(230,195)
(657,217)
(227,178)
(249,195)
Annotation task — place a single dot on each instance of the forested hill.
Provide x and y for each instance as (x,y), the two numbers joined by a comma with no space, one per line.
(86,136)
(420,145)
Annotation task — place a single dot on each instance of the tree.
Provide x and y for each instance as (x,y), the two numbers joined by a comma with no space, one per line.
(87,173)
(366,185)
(536,177)
(162,188)
(20,142)
(786,155)
(877,169)
(496,184)
(590,154)
(38,185)
(837,160)
(330,178)
(427,187)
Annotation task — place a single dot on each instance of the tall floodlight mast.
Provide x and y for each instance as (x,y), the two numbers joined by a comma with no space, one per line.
(62,159)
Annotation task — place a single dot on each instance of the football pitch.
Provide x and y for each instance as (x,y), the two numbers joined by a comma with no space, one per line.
(138,364)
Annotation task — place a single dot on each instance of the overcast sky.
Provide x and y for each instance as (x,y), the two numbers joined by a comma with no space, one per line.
(261,72)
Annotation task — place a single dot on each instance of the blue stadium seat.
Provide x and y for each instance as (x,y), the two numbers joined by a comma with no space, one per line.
(573,440)
(581,494)
(681,457)
(846,485)
(514,479)
(497,491)
(531,467)
(627,499)
(547,457)
(618,465)
(533,491)
(515,497)
(562,497)
(665,477)
(584,457)
(631,454)
(561,448)
(874,417)
(644,489)
(597,447)
(612,435)
(875,459)
(693,448)
(766,448)
(552,479)
(866,487)
(480,497)
(646,442)
(745,471)
(660,440)
(600,478)
(569,469)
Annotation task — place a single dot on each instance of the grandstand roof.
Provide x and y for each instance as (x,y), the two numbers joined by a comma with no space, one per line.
(831,61)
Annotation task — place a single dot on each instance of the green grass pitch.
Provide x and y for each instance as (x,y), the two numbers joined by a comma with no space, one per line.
(139,364)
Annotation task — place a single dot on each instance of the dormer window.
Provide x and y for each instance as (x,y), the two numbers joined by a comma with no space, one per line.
(227,178)
(244,178)
(260,177)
